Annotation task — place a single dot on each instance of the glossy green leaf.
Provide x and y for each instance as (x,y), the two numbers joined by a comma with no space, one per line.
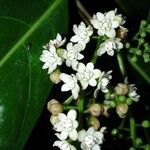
(25,25)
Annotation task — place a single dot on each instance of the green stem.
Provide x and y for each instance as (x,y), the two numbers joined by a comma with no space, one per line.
(70,107)
(80,105)
(121,64)
(132,129)
(139,70)
(68,100)
(94,58)
(122,123)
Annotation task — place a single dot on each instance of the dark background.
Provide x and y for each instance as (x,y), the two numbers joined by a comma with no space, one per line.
(42,136)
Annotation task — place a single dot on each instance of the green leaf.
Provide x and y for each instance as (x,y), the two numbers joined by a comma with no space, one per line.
(24,87)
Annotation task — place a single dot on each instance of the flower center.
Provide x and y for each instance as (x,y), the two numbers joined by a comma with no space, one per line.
(68,125)
(89,141)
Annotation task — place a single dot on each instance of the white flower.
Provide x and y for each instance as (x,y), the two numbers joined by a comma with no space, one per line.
(109,46)
(119,18)
(87,75)
(72,54)
(106,23)
(82,34)
(103,82)
(67,125)
(132,91)
(50,58)
(58,41)
(70,84)
(64,145)
(91,139)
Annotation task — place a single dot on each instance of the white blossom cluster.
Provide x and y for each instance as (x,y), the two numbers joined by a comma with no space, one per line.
(106,25)
(84,75)
(53,56)
(67,125)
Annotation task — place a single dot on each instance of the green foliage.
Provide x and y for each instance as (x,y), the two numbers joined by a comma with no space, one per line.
(24,87)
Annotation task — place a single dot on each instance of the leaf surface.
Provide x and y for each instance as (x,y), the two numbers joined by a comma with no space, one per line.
(24,87)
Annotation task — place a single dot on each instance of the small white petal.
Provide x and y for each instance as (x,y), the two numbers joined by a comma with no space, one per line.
(110,15)
(101,51)
(92,82)
(72,114)
(74,38)
(81,67)
(100,16)
(96,147)
(65,77)
(73,135)
(81,135)
(115,24)
(111,33)
(90,66)
(111,52)
(97,73)
(66,87)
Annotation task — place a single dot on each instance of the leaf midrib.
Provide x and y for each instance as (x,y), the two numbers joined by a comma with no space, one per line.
(30,31)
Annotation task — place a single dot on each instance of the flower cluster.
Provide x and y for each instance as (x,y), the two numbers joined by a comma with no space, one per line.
(56,53)
(107,24)
(67,124)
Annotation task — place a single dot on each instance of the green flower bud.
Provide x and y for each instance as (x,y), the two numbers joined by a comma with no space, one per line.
(132,148)
(138,142)
(146,124)
(107,96)
(139,52)
(147,147)
(94,122)
(113,104)
(143,34)
(127,45)
(129,101)
(146,57)
(122,99)
(141,40)
(143,23)
(148,28)
(134,59)
(114,132)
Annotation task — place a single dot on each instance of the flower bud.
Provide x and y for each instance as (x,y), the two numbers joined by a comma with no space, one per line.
(113,103)
(96,109)
(94,122)
(134,58)
(53,119)
(122,33)
(54,76)
(114,132)
(129,101)
(146,124)
(138,142)
(122,99)
(121,89)
(122,109)
(132,148)
(105,113)
(54,107)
